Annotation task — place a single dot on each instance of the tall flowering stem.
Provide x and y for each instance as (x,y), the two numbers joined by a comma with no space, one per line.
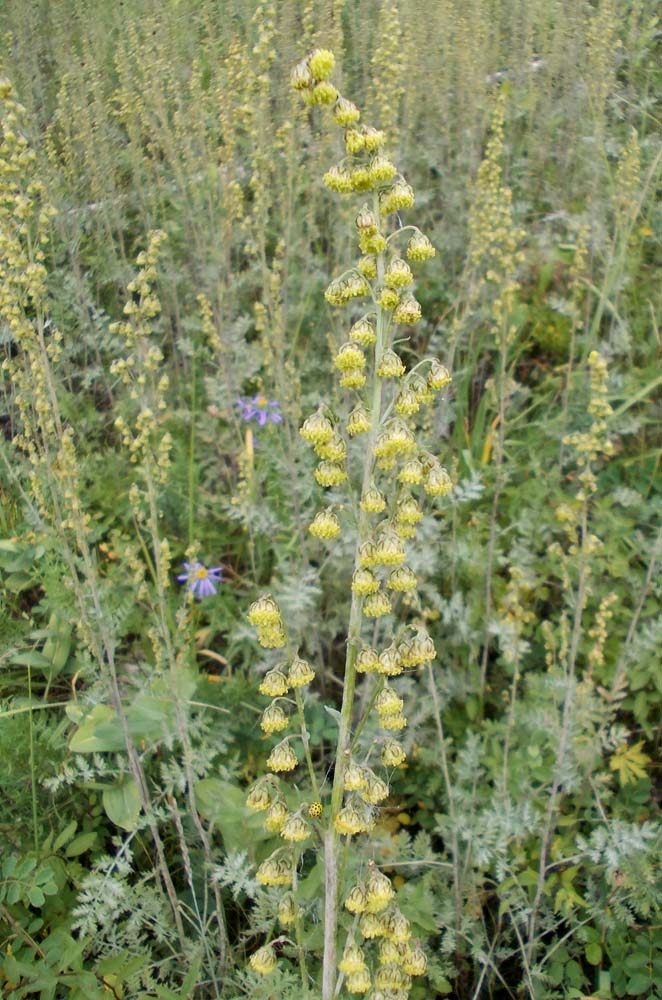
(383,402)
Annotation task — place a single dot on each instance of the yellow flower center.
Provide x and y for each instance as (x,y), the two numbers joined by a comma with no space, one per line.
(201,574)
(262,402)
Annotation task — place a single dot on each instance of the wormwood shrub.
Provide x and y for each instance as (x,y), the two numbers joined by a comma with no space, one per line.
(375,465)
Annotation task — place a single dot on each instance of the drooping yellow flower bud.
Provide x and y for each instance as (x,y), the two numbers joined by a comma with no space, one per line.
(317,429)
(390,664)
(321,94)
(379,891)
(261,796)
(408,310)
(356,900)
(402,579)
(363,332)
(382,170)
(273,719)
(399,197)
(321,63)
(372,925)
(334,450)
(393,722)
(407,402)
(419,248)
(275,818)
(358,982)
(373,501)
(355,777)
(376,605)
(415,964)
(301,78)
(390,365)
(408,512)
(295,829)
(388,702)
(358,422)
(282,758)
(345,112)
(387,298)
(364,582)
(330,474)
(411,473)
(338,179)
(264,612)
(439,376)
(389,550)
(437,482)
(287,910)
(300,673)
(375,791)
(352,960)
(325,525)
(274,684)
(349,821)
(263,960)
(367,661)
(350,357)
(393,754)
(398,274)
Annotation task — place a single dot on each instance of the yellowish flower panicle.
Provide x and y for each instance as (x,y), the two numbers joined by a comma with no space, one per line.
(353,959)
(300,673)
(397,198)
(408,511)
(274,719)
(389,550)
(274,684)
(325,526)
(263,960)
(333,450)
(282,758)
(338,179)
(399,928)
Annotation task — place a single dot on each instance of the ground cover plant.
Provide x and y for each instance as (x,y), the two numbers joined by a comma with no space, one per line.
(330,602)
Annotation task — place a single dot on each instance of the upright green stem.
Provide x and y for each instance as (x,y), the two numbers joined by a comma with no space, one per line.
(331,841)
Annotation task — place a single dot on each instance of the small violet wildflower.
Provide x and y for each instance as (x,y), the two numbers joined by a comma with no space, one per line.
(200,581)
(265,411)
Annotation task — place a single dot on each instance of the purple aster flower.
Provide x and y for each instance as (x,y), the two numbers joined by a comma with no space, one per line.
(260,408)
(200,580)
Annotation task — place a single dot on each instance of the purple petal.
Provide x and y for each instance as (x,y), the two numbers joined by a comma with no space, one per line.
(276,418)
(262,418)
(206,588)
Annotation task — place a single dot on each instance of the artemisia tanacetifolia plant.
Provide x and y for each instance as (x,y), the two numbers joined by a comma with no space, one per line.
(367,943)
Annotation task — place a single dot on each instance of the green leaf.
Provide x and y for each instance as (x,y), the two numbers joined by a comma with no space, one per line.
(83,842)
(31,658)
(65,835)
(638,984)
(122,804)
(100,730)
(36,896)
(593,953)
(225,805)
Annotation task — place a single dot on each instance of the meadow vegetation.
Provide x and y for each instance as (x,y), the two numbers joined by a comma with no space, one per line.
(330,497)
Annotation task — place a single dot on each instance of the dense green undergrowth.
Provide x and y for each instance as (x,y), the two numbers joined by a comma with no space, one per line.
(156,156)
